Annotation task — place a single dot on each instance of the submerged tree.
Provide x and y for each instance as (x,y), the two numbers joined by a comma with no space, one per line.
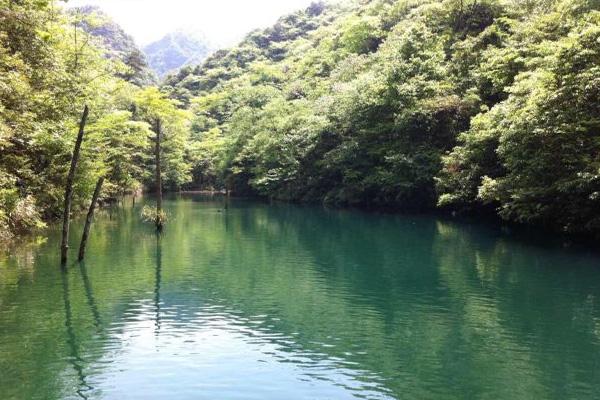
(89,218)
(159,220)
(69,188)
(408,104)
(170,127)
(48,66)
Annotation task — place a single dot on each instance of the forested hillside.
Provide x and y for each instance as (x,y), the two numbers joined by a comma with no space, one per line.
(50,67)
(461,105)
(411,104)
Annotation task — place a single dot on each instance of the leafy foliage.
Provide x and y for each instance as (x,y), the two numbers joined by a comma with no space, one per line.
(536,154)
(409,104)
(50,66)
(153,107)
(150,215)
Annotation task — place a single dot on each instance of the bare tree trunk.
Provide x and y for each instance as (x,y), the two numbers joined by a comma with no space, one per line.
(69,188)
(159,221)
(90,217)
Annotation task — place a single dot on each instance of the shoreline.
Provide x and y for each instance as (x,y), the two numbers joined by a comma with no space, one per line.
(526,234)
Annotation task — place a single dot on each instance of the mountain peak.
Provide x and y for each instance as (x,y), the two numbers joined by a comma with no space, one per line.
(117,43)
(177,49)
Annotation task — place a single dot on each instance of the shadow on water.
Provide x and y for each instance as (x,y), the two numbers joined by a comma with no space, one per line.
(89,294)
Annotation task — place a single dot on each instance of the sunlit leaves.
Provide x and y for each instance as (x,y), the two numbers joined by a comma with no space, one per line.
(535,156)
(155,108)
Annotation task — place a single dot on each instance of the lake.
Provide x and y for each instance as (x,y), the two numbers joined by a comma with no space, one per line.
(278,301)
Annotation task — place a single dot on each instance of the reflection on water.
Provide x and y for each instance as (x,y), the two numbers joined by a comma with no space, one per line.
(272,302)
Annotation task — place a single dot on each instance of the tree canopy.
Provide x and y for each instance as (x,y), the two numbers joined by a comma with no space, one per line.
(50,67)
(410,104)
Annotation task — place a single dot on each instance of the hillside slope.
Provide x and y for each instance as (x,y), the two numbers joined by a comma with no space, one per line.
(54,63)
(410,104)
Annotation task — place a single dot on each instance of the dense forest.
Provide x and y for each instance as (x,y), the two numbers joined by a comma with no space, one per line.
(458,105)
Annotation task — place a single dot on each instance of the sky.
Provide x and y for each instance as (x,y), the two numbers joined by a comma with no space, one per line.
(223,22)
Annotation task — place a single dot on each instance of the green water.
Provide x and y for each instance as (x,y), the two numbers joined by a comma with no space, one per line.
(283,302)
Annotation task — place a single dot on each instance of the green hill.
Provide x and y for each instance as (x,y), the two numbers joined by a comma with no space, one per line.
(461,105)
(411,104)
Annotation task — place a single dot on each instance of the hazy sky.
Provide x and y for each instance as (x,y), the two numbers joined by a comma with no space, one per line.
(224,22)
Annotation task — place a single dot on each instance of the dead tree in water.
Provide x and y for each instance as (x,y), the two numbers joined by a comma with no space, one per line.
(69,189)
(88,220)
(159,216)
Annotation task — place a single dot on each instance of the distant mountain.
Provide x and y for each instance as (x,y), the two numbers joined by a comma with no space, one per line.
(176,50)
(117,42)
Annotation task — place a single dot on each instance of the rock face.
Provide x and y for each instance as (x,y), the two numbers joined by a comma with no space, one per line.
(118,43)
(176,50)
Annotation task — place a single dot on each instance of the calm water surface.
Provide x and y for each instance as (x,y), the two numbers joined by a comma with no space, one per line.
(283,302)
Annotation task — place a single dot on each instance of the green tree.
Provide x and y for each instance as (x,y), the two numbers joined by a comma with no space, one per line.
(153,106)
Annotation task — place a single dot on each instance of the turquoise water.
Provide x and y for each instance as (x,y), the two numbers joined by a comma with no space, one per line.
(284,302)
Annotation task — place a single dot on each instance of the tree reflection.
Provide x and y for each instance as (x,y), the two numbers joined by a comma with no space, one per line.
(89,294)
(158,276)
(73,345)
